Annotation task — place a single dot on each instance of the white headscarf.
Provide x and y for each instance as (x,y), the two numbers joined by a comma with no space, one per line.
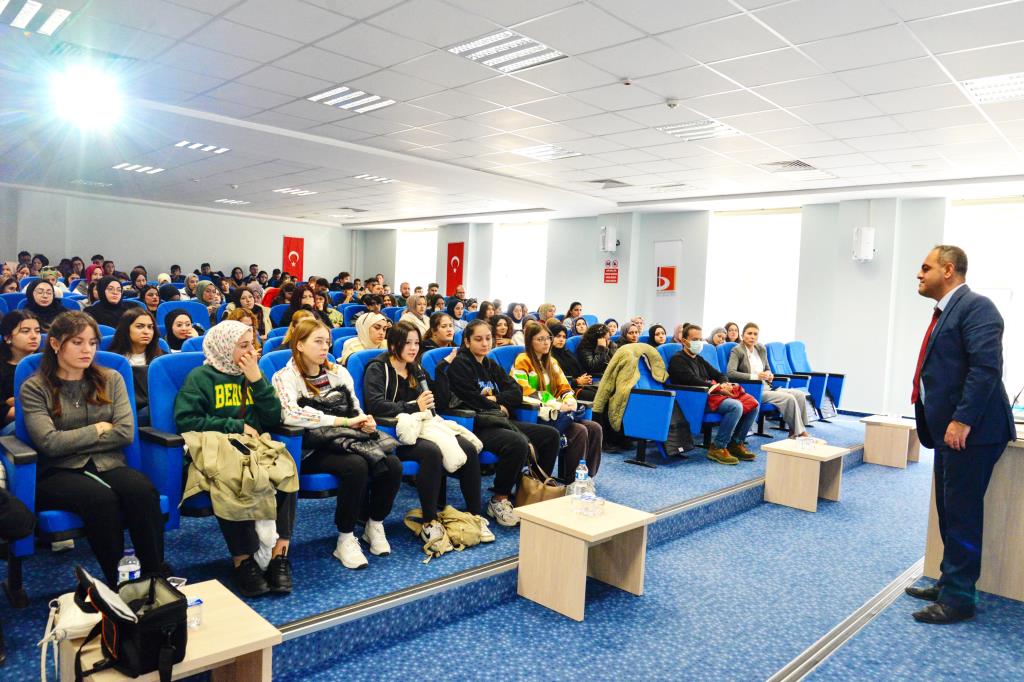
(219,346)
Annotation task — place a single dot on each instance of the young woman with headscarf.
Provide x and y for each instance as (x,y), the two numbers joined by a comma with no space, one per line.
(416,313)
(208,294)
(109,307)
(229,394)
(41,301)
(179,329)
(371,333)
(169,292)
(457,311)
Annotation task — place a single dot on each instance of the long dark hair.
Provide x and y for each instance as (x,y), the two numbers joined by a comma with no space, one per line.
(485,306)
(593,333)
(296,302)
(470,328)
(122,341)
(494,326)
(66,326)
(8,324)
(398,336)
(541,363)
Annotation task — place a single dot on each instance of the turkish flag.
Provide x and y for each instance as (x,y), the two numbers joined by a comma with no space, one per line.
(291,262)
(456,266)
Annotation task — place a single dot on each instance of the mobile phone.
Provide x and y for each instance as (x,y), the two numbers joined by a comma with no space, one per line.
(241,447)
(177,582)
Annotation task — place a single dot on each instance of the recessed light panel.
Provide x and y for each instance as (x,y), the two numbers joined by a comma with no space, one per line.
(233,202)
(202,147)
(507,51)
(796,170)
(138,168)
(351,99)
(374,178)
(546,152)
(29,15)
(692,131)
(86,183)
(295,191)
(1006,88)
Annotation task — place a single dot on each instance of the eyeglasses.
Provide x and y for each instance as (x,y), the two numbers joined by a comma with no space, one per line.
(542,339)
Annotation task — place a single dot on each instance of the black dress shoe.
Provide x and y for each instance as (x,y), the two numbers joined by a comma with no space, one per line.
(279,575)
(930,593)
(249,579)
(941,614)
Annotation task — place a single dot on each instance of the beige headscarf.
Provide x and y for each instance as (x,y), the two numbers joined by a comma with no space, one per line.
(362,340)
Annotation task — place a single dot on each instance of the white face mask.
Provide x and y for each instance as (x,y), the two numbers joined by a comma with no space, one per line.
(696,347)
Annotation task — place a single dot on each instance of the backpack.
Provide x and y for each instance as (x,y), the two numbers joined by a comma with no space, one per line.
(461,530)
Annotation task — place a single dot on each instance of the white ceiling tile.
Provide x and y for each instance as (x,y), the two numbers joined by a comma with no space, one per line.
(220,106)
(554,133)
(657,16)
(813,149)
(370,124)
(507,142)
(242,41)
(659,115)
(909,154)
(435,153)
(326,130)
(392,143)
(912,73)
(919,99)
(421,136)
(618,96)
(446,69)
(918,9)
(201,60)
(454,103)
(960,134)
(462,128)
(246,94)
(567,75)
(879,142)
(638,58)
(433,22)
(564,29)
(465,148)
(969,150)
(286,82)
(312,110)
(638,138)
(837,110)
(866,48)
(626,156)
(359,9)
(604,124)
(840,161)
(731,144)
(374,45)
(768,67)
(208,6)
(773,119)
(728,104)
(859,171)
(806,91)
(659,166)
(1005,111)
(978,28)
(507,119)
(393,85)
(559,108)
(409,114)
(989,61)
(110,37)
(731,37)
(510,13)
(864,127)
(507,91)
(1013,129)
(685,83)
(805,20)
(154,76)
(335,68)
(800,135)
(154,16)
(289,18)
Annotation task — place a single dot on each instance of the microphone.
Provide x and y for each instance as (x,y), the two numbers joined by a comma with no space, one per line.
(421,378)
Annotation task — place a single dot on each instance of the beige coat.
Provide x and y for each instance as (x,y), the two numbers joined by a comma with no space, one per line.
(621,376)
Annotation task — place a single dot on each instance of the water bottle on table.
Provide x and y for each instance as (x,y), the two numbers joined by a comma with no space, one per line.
(583,491)
(128,568)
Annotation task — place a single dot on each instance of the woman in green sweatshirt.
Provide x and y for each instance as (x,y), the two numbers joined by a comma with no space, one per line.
(229,394)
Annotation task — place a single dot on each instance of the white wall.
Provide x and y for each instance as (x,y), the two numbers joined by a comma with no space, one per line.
(691,279)
(378,255)
(156,236)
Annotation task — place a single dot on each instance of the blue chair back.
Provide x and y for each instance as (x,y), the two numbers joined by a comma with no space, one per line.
(572,343)
(469,316)
(337,296)
(26,281)
(591,319)
(193,345)
(277,312)
(277,331)
(351,311)
(643,339)
(137,301)
(668,350)
(3,307)
(271,363)
(356,366)
(273,344)
(68,304)
(724,350)
(13,299)
(342,333)
(710,353)
(457,338)
(106,330)
(506,356)
(166,375)
(196,312)
(797,354)
(777,359)
(393,312)
(431,358)
(220,311)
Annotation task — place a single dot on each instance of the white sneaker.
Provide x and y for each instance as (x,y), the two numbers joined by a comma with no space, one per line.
(503,513)
(485,533)
(373,535)
(432,532)
(62,546)
(348,551)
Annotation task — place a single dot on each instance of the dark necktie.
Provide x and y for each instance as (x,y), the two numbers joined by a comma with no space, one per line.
(915,394)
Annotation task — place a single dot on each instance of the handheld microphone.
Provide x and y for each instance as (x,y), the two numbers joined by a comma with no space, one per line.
(421,378)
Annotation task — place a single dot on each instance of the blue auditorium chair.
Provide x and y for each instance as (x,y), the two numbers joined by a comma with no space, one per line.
(277,331)
(25,281)
(822,384)
(648,414)
(196,311)
(591,319)
(393,312)
(12,299)
(135,301)
(222,310)
(469,316)
(193,345)
(573,343)
(429,361)
(457,338)
(272,344)
(643,338)
(754,388)
(351,311)
(356,366)
(342,333)
(106,330)
(277,313)
(105,342)
(506,357)
(3,307)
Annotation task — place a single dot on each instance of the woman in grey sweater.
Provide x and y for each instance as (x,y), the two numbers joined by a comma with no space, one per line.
(748,361)
(79,419)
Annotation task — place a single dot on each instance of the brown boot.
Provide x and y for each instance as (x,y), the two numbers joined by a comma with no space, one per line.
(739,451)
(722,456)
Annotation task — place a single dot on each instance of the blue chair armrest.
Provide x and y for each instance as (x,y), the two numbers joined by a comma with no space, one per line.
(463,418)
(588,408)
(692,402)
(291,436)
(20,462)
(648,414)
(526,413)
(163,462)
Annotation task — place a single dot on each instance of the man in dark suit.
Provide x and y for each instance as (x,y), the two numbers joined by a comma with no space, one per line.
(963,413)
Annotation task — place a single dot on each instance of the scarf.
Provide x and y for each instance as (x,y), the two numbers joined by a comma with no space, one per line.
(219,346)
(169,292)
(103,310)
(173,341)
(201,289)
(45,314)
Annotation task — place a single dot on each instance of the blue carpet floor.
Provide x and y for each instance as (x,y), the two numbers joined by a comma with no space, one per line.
(735,600)
(896,647)
(196,550)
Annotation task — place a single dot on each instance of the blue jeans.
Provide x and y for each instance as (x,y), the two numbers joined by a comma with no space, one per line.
(7,430)
(734,425)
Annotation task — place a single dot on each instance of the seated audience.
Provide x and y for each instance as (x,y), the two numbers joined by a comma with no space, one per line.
(138,280)
(415,313)
(581,382)
(436,303)
(20,334)
(190,293)
(9,286)
(238,277)
(52,276)
(309,382)
(41,301)
(717,337)
(208,294)
(630,333)
(486,311)
(540,376)
(284,295)
(150,297)
(688,368)
(179,329)
(108,307)
(475,382)
(371,332)
(613,325)
(504,333)
(296,318)
(244,298)
(228,394)
(442,333)
(545,312)
(136,339)
(579,327)
(249,319)
(595,350)
(575,310)
(456,311)
(732,332)
(517,313)
(749,362)
(303,298)
(390,389)
(323,305)
(169,292)
(656,335)
(79,419)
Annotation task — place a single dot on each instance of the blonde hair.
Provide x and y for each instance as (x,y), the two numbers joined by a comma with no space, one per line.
(300,331)
(239,314)
(296,318)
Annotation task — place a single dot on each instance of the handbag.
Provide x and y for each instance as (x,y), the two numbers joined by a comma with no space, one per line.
(562,420)
(66,621)
(535,485)
(143,625)
(748,401)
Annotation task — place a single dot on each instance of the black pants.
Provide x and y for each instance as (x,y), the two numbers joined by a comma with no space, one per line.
(241,536)
(430,481)
(16,521)
(961,479)
(354,474)
(511,449)
(128,499)
(585,440)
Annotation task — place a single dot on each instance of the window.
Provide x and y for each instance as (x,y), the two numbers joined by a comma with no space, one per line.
(518,263)
(753,271)
(992,234)
(415,258)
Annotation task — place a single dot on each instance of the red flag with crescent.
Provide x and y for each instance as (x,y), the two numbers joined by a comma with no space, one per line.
(456,266)
(293,256)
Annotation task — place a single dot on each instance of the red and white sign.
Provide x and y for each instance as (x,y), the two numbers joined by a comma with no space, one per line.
(456,266)
(611,271)
(292,260)
(666,279)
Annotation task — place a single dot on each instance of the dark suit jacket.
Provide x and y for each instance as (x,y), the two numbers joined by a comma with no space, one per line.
(963,374)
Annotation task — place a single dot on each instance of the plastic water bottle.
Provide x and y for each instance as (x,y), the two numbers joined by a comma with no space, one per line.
(583,491)
(128,568)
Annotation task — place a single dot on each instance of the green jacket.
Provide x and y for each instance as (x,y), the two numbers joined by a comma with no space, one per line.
(210,400)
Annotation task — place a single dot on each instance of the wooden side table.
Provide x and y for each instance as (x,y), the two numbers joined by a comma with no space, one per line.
(559,549)
(890,441)
(796,477)
(234,643)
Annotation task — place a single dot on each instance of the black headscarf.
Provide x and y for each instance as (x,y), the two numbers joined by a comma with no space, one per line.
(173,341)
(45,314)
(103,311)
(169,292)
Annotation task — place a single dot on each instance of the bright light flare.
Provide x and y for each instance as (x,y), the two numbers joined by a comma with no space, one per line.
(85,97)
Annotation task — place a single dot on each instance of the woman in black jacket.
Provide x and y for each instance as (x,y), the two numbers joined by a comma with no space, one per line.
(595,350)
(394,384)
(475,382)
(41,301)
(581,382)
(108,307)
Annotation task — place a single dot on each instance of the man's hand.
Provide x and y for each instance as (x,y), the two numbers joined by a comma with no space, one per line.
(956,435)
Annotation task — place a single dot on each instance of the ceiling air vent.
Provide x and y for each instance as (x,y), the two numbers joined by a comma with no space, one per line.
(609,183)
(796,170)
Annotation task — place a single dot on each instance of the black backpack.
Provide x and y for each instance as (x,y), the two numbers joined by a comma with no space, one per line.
(143,625)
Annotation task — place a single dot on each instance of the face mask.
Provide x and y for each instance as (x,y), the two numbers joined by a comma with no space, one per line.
(696,347)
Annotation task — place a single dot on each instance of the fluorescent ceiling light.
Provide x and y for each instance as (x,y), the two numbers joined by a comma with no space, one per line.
(80,181)
(507,51)
(1005,88)
(692,131)
(120,165)
(202,146)
(3,5)
(546,152)
(138,168)
(344,97)
(295,191)
(374,178)
(85,97)
(182,143)
(233,202)
(27,12)
(57,17)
